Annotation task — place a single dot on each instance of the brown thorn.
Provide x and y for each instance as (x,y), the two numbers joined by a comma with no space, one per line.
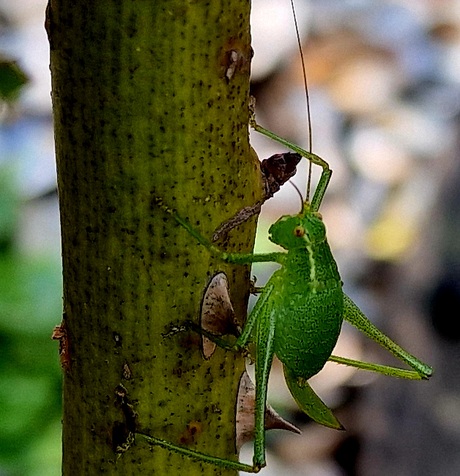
(217,314)
(245,427)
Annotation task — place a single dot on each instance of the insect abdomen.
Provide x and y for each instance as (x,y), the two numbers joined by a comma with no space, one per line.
(309,321)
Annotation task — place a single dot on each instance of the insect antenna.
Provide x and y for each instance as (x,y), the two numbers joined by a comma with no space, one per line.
(307,97)
(299,193)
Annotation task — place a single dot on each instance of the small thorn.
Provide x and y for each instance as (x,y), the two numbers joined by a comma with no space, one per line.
(273,421)
(60,334)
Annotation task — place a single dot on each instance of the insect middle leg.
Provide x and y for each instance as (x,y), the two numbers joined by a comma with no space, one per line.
(234,258)
(260,329)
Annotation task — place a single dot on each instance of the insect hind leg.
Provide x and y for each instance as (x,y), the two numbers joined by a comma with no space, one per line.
(356,317)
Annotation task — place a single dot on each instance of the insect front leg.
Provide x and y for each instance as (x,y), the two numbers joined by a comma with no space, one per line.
(313,158)
(276,170)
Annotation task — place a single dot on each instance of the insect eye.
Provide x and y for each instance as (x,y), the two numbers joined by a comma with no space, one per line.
(299,231)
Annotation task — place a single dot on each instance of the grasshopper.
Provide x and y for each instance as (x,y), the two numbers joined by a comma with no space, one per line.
(299,313)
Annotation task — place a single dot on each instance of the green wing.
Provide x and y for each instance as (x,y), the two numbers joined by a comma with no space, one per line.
(309,402)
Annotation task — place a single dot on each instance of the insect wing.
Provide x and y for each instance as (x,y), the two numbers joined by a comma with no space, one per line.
(309,402)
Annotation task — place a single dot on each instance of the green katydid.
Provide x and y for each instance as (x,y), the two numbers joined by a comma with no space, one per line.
(298,315)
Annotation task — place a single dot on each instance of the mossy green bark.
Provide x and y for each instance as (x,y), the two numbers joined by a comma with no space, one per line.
(150,100)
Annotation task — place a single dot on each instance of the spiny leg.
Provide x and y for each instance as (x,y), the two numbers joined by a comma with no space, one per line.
(275,171)
(263,364)
(252,319)
(378,368)
(356,317)
(260,327)
(313,158)
(199,456)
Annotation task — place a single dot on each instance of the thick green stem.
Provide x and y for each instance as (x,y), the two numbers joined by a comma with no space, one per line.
(150,100)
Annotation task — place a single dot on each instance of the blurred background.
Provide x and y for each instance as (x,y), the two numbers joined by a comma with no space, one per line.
(384,82)
(30,267)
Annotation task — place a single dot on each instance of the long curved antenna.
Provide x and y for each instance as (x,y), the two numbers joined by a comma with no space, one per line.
(307,96)
(298,192)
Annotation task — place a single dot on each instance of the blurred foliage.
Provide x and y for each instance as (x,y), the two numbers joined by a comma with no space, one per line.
(12,78)
(30,306)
